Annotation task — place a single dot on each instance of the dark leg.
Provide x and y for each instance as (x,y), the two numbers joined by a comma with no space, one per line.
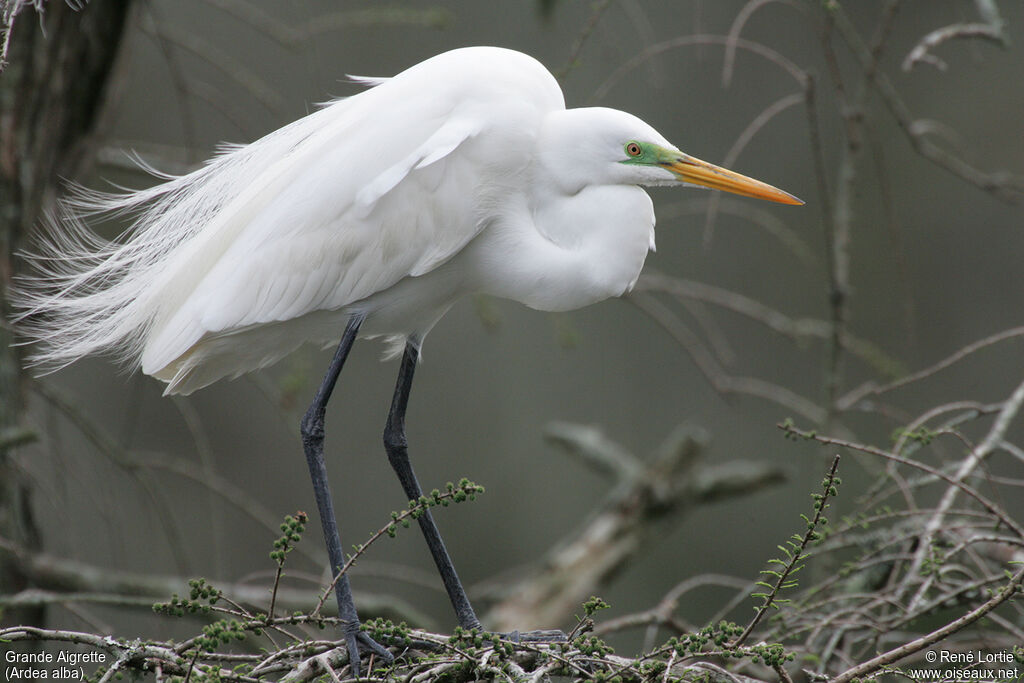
(398,455)
(312,429)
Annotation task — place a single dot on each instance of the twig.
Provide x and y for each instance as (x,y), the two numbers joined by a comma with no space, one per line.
(991,507)
(723,382)
(748,133)
(650,51)
(782,673)
(795,556)
(842,218)
(662,614)
(12,437)
(64,580)
(872,665)
(595,449)
(874,389)
(734,33)
(1006,186)
(132,463)
(991,30)
(261,91)
(465,490)
(1010,409)
(9,11)
(667,488)
(293,37)
(596,12)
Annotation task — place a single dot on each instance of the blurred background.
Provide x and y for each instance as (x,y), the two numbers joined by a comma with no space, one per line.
(125,479)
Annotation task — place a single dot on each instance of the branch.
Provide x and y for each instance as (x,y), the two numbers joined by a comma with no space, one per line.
(666,488)
(650,51)
(424,656)
(734,33)
(12,437)
(8,13)
(797,329)
(991,30)
(989,506)
(59,580)
(596,12)
(795,552)
(466,490)
(135,464)
(1015,584)
(257,87)
(1006,186)
(748,134)
(874,389)
(721,381)
(300,35)
(1009,411)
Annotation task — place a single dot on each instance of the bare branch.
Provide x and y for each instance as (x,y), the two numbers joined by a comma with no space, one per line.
(955,482)
(1004,185)
(873,389)
(995,435)
(991,30)
(293,37)
(713,372)
(752,129)
(875,664)
(651,51)
(65,581)
(669,486)
(742,17)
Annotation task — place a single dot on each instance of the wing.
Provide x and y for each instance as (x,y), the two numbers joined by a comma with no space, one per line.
(346,202)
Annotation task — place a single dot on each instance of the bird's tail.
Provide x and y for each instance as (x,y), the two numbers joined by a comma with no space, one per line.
(84,294)
(89,295)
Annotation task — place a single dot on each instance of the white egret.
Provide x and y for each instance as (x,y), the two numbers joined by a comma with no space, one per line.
(370,217)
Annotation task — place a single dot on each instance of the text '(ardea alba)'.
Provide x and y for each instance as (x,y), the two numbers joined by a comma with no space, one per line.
(370,217)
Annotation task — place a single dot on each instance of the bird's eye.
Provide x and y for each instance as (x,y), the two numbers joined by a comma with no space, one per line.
(633,149)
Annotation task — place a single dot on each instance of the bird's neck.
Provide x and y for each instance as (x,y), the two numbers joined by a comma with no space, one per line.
(568,251)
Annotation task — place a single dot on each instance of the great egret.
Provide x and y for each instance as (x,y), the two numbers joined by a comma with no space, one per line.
(370,217)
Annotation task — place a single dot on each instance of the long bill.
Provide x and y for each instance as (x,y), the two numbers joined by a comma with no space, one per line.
(697,172)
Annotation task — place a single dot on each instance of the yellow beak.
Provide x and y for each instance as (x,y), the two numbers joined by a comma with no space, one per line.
(697,172)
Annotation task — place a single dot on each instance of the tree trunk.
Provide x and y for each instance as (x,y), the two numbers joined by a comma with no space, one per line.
(51,94)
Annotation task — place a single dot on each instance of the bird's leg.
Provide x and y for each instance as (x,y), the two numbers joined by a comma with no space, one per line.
(398,454)
(312,429)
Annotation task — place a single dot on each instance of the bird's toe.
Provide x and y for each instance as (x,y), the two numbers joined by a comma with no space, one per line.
(355,640)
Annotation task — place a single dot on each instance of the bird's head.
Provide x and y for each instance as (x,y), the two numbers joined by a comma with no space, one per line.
(595,145)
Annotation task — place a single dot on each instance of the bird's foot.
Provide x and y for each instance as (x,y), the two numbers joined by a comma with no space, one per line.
(355,639)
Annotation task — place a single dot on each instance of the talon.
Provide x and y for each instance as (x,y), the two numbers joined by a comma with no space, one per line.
(376,648)
(352,642)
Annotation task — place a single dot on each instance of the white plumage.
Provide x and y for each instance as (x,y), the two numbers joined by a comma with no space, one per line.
(463,173)
(372,216)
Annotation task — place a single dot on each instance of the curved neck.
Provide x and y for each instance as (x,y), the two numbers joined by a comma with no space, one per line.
(568,251)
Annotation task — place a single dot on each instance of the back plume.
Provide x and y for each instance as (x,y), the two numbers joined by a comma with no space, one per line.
(274,230)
